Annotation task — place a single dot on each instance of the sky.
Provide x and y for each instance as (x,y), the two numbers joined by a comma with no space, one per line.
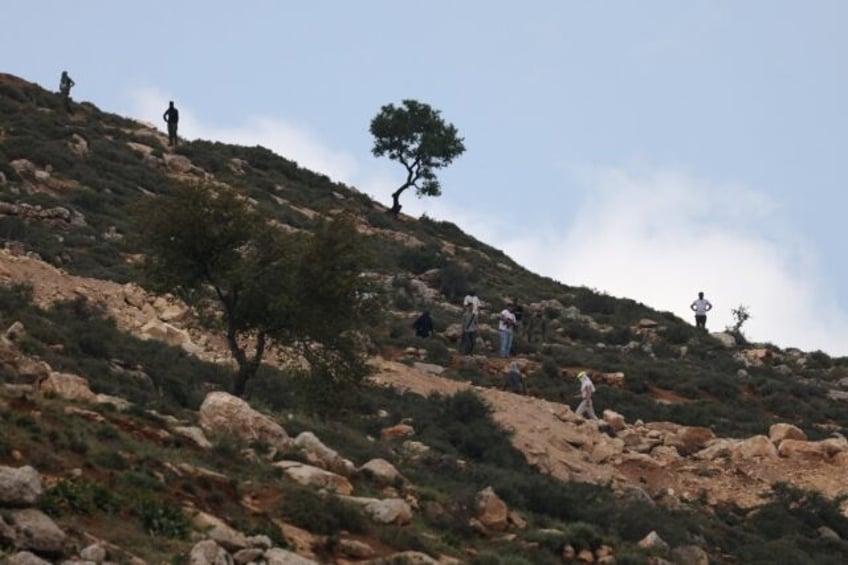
(647,149)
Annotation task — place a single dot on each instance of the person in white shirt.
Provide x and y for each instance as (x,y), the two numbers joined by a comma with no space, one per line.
(701,306)
(506,321)
(586,389)
(472,299)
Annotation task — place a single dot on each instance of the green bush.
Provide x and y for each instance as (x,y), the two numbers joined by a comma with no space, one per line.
(161,518)
(328,516)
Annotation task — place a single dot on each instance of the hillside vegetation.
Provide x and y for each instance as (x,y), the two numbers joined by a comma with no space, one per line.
(117,421)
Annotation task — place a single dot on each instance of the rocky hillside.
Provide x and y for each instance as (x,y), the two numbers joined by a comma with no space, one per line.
(711,449)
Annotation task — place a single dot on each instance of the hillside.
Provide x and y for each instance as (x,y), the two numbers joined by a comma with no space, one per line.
(728,451)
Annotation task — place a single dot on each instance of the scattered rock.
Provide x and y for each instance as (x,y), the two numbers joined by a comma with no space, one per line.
(653,541)
(227,414)
(383,472)
(492,512)
(35,530)
(781,431)
(319,454)
(398,431)
(308,475)
(19,486)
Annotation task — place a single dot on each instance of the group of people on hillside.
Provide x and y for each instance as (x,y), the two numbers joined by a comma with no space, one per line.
(509,320)
(171,115)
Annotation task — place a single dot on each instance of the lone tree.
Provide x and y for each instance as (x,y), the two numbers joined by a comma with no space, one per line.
(417,137)
(257,283)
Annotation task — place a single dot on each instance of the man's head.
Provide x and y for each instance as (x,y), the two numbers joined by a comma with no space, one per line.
(582,374)
(171,104)
(701,295)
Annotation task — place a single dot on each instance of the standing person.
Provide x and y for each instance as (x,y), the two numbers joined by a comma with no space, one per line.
(701,306)
(472,299)
(506,321)
(586,391)
(469,329)
(65,85)
(172,117)
(423,324)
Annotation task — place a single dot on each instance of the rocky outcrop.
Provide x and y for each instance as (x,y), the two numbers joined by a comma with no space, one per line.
(320,455)
(316,477)
(492,512)
(223,413)
(19,486)
(381,471)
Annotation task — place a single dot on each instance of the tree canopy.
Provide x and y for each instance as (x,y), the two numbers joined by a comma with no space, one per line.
(257,283)
(416,136)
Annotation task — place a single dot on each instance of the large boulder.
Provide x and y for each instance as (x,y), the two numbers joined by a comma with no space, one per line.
(316,477)
(19,486)
(318,454)
(824,449)
(207,552)
(780,431)
(224,413)
(395,432)
(34,530)
(492,512)
(383,511)
(66,385)
(219,531)
(25,558)
(690,439)
(383,472)
(755,447)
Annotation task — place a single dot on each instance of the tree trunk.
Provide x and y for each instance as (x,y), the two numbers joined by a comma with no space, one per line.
(395,209)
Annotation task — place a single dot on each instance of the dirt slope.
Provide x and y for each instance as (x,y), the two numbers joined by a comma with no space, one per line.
(548,433)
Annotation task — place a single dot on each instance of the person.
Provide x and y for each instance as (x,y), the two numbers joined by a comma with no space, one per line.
(701,306)
(469,329)
(586,391)
(506,321)
(65,85)
(514,380)
(472,299)
(423,324)
(172,117)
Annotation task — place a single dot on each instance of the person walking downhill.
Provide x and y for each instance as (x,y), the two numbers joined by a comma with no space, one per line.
(586,390)
(469,329)
(701,306)
(506,321)
(172,117)
(514,380)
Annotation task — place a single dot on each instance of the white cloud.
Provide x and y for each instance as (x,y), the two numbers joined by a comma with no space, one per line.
(293,142)
(660,238)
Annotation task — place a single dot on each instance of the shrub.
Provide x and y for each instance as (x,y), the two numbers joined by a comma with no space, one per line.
(306,509)
(160,518)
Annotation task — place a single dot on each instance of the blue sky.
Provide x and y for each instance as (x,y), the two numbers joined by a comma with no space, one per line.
(648,149)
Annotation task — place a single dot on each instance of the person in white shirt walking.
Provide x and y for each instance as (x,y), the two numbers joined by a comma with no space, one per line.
(471,299)
(701,306)
(586,390)
(506,322)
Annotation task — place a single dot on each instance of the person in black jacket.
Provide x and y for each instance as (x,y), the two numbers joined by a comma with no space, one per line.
(423,324)
(172,117)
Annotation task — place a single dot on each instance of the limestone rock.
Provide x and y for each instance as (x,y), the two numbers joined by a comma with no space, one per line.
(225,413)
(386,511)
(653,541)
(36,531)
(614,420)
(248,555)
(798,449)
(492,512)
(756,446)
(19,486)
(356,549)
(725,338)
(308,475)
(25,558)
(165,332)
(78,145)
(405,558)
(66,385)
(207,552)
(94,552)
(320,455)
(780,431)
(195,434)
(690,439)
(381,471)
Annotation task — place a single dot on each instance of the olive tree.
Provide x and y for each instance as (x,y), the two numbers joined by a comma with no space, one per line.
(416,136)
(258,284)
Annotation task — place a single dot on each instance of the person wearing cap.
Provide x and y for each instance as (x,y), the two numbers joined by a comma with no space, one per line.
(586,389)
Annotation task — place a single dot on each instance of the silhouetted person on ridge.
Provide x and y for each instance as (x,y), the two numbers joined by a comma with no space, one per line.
(65,85)
(172,116)
(701,306)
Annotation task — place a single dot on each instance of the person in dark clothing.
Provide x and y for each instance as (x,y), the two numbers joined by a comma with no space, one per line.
(423,324)
(469,329)
(172,117)
(65,85)
(514,380)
